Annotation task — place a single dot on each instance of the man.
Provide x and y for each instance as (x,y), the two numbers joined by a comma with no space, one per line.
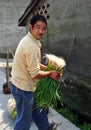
(27,68)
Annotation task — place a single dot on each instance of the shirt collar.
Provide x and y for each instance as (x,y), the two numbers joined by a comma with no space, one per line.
(37,42)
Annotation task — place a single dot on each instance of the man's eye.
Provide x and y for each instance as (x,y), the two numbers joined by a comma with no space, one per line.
(38,27)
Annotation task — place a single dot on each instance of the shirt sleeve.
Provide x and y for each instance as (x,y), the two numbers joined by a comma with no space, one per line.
(32,60)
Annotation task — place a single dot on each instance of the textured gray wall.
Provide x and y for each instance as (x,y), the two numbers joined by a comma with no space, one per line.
(69,18)
(10,33)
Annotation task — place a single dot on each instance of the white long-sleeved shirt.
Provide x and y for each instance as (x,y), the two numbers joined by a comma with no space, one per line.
(26,63)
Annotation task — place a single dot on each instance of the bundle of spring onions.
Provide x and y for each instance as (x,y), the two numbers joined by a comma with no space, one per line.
(46,93)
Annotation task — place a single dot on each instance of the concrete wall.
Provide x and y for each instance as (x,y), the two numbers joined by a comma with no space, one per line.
(10,33)
(69,18)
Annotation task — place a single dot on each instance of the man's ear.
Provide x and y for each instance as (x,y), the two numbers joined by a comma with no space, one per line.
(30,26)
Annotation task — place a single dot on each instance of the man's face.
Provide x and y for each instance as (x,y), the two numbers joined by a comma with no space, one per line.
(38,29)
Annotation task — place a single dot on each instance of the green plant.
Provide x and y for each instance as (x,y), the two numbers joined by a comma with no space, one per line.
(67,113)
(85,126)
(46,93)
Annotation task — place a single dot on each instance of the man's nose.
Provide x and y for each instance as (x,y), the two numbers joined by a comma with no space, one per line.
(41,31)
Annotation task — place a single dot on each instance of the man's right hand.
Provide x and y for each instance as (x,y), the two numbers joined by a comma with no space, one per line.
(54,75)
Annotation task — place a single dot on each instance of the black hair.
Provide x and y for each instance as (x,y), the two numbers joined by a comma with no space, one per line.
(36,18)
